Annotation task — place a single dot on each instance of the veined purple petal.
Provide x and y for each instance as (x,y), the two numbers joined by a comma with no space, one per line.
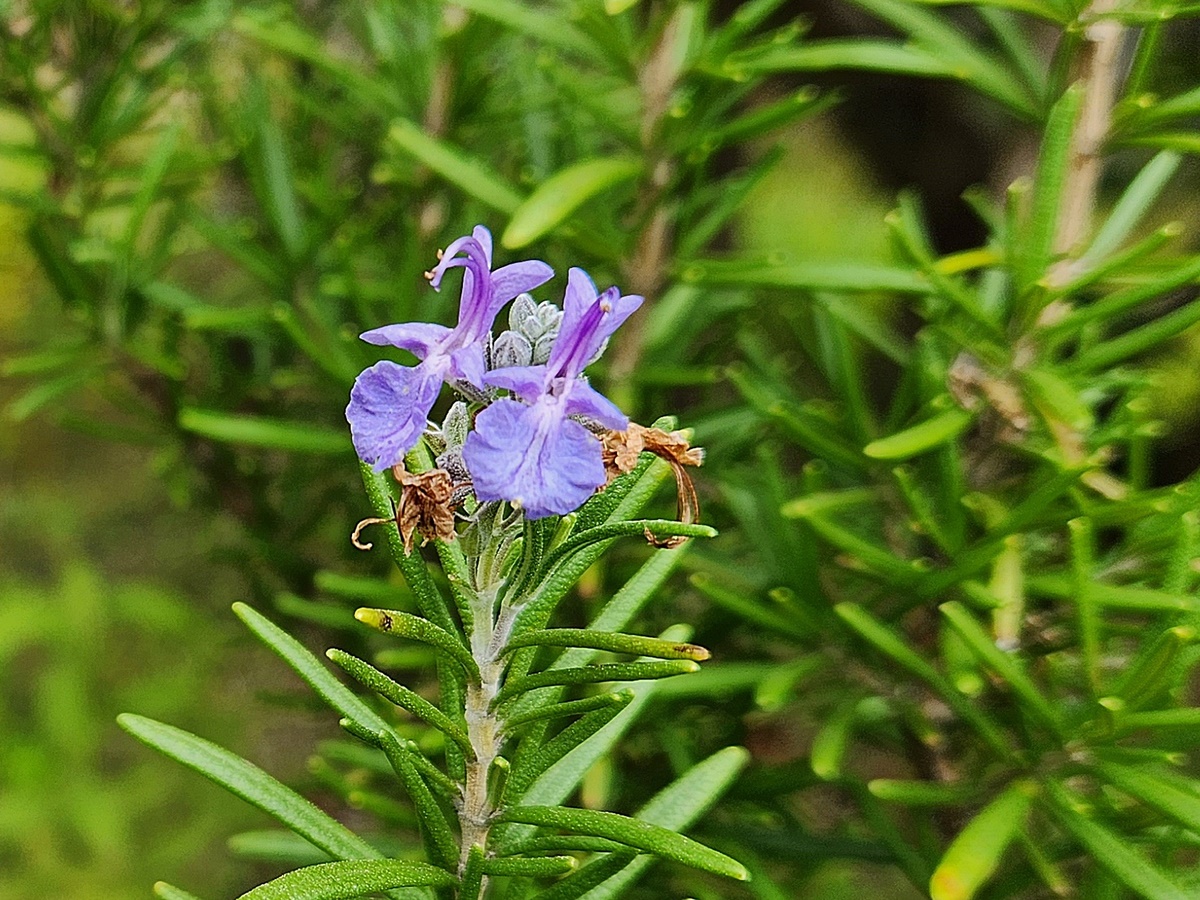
(517,278)
(389,405)
(585,400)
(581,293)
(532,457)
(419,338)
(527,382)
(587,324)
(484,238)
(469,364)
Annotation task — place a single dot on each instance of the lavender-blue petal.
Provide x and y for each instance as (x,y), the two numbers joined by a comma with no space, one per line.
(484,237)
(469,364)
(389,405)
(585,400)
(580,294)
(517,278)
(531,457)
(418,338)
(527,382)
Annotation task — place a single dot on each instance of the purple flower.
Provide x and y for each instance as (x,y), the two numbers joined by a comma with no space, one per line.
(534,453)
(389,403)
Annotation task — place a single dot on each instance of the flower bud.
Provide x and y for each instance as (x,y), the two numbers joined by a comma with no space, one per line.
(511,349)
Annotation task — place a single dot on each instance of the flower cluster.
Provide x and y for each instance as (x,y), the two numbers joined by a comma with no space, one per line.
(534,441)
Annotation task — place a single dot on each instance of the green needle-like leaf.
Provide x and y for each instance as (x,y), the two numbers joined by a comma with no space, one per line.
(678,806)
(348,879)
(556,198)
(1131,207)
(370,677)
(402,624)
(164,891)
(922,437)
(473,176)
(532,867)
(972,857)
(1157,793)
(632,644)
(439,839)
(983,646)
(632,671)
(1114,853)
(311,670)
(272,434)
(252,784)
(633,832)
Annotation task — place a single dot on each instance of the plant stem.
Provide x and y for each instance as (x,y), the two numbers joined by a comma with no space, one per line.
(1098,60)
(483,730)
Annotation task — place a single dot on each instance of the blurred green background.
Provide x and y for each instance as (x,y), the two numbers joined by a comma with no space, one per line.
(118,564)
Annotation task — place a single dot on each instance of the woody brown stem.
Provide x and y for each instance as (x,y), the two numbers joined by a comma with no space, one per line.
(1099,76)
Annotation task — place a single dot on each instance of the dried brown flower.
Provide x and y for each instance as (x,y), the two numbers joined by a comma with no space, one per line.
(426,507)
(621,451)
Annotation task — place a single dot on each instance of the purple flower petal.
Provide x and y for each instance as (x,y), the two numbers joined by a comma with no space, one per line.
(531,457)
(419,338)
(527,382)
(469,364)
(389,405)
(517,278)
(588,321)
(585,400)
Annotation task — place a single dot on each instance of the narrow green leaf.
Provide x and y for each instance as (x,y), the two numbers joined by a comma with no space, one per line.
(812,276)
(1154,669)
(1119,302)
(1040,234)
(659,528)
(165,891)
(152,175)
(348,879)
(440,842)
(679,806)
(1117,596)
(633,644)
(950,43)
(472,176)
(544,27)
(891,645)
(370,677)
(922,793)
(1044,10)
(252,784)
(556,198)
(308,667)
(392,621)
(1137,340)
(1142,784)
(974,854)
(277,846)
(1111,851)
(832,739)
(867,54)
(568,708)
(922,437)
(254,431)
(277,186)
(1137,198)
(594,873)
(531,867)
(642,835)
(632,671)
(1002,664)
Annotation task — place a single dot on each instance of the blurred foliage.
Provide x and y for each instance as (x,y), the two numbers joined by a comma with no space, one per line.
(956,581)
